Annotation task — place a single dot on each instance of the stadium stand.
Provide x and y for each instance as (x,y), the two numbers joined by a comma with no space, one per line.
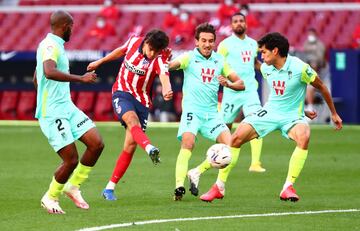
(26,105)
(8,105)
(103,110)
(85,102)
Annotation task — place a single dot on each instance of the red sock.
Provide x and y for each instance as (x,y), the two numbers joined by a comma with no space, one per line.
(122,164)
(139,136)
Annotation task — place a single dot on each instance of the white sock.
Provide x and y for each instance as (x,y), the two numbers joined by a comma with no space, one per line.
(287,184)
(110,185)
(148,148)
(221,185)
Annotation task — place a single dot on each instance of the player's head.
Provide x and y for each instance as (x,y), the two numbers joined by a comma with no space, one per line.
(154,42)
(238,23)
(61,24)
(205,38)
(273,46)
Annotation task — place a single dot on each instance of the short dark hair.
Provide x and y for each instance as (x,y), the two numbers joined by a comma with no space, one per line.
(275,39)
(204,27)
(236,14)
(157,39)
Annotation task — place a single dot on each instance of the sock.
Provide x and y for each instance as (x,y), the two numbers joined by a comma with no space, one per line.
(139,136)
(256,145)
(55,189)
(80,174)
(182,167)
(224,173)
(148,148)
(205,165)
(221,185)
(110,185)
(296,164)
(121,166)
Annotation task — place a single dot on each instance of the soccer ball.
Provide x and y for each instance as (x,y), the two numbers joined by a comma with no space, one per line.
(219,155)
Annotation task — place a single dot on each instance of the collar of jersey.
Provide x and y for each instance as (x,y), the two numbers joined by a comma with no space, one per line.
(236,37)
(56,38)
(286,64)
(199,55)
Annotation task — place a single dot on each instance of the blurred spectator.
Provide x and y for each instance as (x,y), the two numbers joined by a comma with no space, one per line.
(184,28)
(110,11)
(251,20)
(225,11)
(314,49)
(162,110)
(171,18)
(136,30)
(102,28)
(356,37)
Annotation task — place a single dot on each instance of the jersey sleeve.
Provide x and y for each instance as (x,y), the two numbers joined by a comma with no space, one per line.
(125,46)
(162,66)
(222,50)
(184,60)
(308,74)
(226,70)
(50,52)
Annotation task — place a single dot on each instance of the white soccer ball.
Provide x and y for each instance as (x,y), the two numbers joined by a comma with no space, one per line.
(219,155)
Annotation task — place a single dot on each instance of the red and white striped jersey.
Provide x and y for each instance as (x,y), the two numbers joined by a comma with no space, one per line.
(137,73)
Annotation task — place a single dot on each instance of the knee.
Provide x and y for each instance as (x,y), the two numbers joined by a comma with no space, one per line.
(72,163)
(303,140)
(187,145)
(236,140)
(97,146)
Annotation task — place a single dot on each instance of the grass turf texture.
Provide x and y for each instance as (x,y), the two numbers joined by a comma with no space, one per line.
(330,180)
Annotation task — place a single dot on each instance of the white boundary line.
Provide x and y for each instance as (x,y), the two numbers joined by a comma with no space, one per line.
(213,218)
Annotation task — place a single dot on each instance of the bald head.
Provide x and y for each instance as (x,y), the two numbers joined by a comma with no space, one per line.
(59,18)
(61,24)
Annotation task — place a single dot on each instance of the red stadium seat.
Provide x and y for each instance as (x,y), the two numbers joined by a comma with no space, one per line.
(85,102)
(178,102)
(8,105)
(103,110)
(26,105)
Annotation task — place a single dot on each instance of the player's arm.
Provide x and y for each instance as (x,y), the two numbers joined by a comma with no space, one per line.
(233,81)
(34,80)
(114,55)
(180,62)
(318,84)
(257,64)
(51,72)
(166,86)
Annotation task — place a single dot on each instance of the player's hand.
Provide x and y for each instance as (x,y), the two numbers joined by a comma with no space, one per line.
(311,114)
(93,65)
(166,54)
(89,77)
(167,94)
(223,81)
(337,121)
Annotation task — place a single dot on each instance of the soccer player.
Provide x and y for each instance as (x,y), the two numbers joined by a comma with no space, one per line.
(287,77)
(60,120)
(144,59)
(204,71)
(241,52)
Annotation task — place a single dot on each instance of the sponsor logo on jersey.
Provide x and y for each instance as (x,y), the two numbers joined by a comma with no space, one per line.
(279,87)
(246,56)
(207,74)
(134,69)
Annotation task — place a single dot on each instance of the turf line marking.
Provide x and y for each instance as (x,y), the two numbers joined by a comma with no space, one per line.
(112,226)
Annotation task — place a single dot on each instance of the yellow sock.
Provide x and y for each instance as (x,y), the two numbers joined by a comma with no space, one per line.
(55,189)
(256,145)
(205,165)
(296,164)
(80,174)
(182,166)
(224,173)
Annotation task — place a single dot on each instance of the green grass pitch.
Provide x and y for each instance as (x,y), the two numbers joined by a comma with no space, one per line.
(329,181)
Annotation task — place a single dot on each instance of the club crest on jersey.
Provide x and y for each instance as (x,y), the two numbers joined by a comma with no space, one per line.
(290,74)
(279,87)
(246,55)
(134,69)
(207,74)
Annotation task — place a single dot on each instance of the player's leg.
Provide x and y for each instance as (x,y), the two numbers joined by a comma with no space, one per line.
(121,166)
(252,105)
(133,115)
(58,132)
(84,130)
(243,134)
(300,133)
(182,162)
